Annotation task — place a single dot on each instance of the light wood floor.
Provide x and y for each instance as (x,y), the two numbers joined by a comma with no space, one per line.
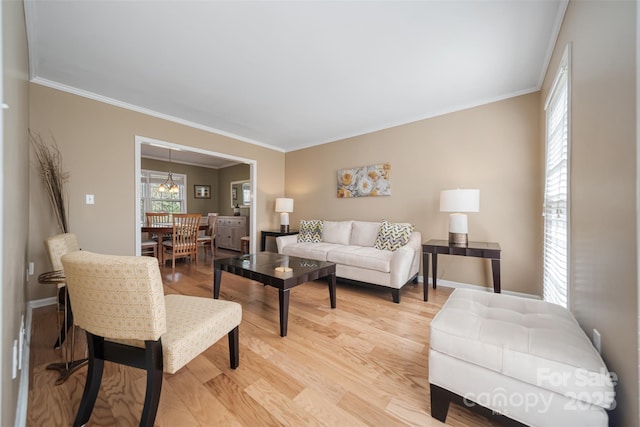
(363,363)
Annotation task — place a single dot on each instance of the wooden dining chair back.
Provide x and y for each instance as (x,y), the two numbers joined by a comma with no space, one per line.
(157,218)
(184,242)
(152,218)
(128,320)
(207,240)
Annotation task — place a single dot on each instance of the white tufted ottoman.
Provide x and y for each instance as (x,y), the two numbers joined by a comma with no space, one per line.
(524,359)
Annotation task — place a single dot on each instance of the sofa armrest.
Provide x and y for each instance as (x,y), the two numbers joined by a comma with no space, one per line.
(415,241)
(283,241)
(406,261)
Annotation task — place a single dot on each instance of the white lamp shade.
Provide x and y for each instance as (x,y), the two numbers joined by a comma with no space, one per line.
(460,201)
(284,205)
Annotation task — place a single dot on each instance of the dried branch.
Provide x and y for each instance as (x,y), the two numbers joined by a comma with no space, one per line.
(54,178)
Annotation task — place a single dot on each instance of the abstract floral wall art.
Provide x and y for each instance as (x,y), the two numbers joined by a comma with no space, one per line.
(365,181)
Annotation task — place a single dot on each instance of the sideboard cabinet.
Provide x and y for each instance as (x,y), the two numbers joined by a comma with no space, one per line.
(229,231)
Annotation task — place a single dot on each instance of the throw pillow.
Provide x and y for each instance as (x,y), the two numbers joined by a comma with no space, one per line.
(310,231)
(392,236)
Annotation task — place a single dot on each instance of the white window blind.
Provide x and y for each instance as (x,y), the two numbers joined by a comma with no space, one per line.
(556,191)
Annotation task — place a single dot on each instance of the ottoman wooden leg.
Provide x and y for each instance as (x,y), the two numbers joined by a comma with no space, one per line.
(439,402)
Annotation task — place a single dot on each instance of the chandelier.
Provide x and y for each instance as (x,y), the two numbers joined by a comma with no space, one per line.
(169,185)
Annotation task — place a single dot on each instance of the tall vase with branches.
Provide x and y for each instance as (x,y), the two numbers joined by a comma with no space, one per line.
(49,161)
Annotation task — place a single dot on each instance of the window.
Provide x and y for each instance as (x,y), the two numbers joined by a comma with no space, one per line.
(556,191)
(156,201)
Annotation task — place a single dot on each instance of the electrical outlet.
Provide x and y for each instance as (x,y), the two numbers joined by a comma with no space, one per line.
(21,339)
(14,370)
(596,340)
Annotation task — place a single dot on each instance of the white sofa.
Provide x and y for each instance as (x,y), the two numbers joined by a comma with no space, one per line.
(525,359)
(350,245)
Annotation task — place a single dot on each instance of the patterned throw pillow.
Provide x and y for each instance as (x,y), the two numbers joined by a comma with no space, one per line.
(310,231)
(391,236)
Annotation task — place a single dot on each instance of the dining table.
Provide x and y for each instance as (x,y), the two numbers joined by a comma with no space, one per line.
(163,229)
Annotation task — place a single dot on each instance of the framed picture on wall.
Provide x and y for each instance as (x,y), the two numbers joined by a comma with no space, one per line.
(202,191)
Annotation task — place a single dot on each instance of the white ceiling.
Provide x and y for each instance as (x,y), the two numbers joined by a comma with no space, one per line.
(292,74)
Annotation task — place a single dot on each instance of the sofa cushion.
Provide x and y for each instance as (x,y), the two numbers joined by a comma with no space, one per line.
(336,232)
(363,257)
(364,233)
(310,231)
(310,250)
(392,237)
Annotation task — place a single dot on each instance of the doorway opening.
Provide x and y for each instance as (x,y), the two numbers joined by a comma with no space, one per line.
(196,156)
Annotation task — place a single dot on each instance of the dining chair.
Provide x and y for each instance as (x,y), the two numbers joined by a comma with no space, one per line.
(207,240)
(149,247)
(152,218)
(157,218)
(128,320)
(184,242)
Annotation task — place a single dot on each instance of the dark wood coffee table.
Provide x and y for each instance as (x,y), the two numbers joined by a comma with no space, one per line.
(262,268)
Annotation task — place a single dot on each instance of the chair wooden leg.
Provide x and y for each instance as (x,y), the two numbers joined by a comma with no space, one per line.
(234,347)
(94,378)
(153,365)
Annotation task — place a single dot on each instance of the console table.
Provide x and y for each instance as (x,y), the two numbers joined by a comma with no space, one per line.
(272,233)
(487,250)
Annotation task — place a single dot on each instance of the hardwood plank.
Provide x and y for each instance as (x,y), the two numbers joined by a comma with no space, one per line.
(248,411)
(325,410)
(287,411)
(206,409)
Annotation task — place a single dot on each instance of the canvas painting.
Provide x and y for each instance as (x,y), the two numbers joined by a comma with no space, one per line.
(365,181)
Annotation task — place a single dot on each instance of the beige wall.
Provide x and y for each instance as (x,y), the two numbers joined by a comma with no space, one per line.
(495,148)
(196,175)
(97,145)
(603,244)
(15,201)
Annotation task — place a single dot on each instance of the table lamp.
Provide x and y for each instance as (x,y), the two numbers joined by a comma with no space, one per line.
(284,206)
(458,201)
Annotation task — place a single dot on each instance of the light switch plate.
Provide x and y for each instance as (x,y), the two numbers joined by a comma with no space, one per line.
(89,199)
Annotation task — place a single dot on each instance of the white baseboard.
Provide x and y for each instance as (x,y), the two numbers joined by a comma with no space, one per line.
(451,284)
(42,302)
(23,389)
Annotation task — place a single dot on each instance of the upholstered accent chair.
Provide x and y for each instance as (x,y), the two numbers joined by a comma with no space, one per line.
(184,242)
(56,247)
(119,302)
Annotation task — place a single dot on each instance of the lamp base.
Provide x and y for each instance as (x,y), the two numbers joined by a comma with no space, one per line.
(458,239)
(284,228)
